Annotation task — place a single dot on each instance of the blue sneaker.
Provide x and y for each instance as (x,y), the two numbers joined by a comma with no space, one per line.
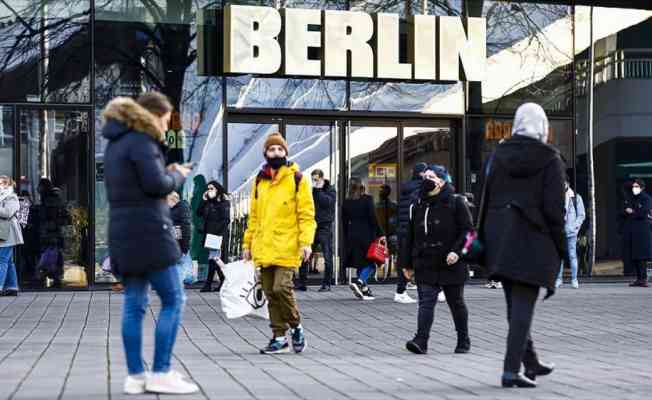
(276,347)
(298,340)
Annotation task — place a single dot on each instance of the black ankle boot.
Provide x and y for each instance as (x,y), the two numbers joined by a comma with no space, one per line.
(208,287)
(417,345)
(463,345)
(539,370)
(511,379)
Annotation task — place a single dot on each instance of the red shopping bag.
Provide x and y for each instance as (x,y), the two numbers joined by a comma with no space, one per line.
(378,252)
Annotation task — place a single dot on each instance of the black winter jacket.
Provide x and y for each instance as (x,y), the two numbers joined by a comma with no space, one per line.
(360,228)
(637,231)
(524,226)
(438,226)
(181,217)
(409,194)
(216,217)
(141,232)
(324,199)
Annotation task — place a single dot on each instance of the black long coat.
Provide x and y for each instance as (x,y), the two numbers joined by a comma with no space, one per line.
(438,225)
(360,228)
(216,217)
(637,231)
(524,226)
(141,232)
(181,217)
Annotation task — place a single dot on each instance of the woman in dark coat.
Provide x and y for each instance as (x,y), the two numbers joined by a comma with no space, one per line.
(361,228)
(436,234)
(637,232)
(524,232)
(142,242)
(215,212)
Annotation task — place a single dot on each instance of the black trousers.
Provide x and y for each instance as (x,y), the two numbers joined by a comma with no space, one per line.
(629,265)
(521,299)
(427,301)
(641,270)
(212,268)
(402,280)
(323,237)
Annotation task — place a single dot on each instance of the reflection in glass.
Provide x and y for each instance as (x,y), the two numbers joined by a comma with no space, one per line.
(426,98)
(6,141)
(54,176)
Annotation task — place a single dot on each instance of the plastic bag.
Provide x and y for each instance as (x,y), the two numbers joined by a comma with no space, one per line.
(242,293)
(188,275)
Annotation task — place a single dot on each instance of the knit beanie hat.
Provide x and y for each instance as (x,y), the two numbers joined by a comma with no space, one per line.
(275,139)
(441,172)
(419,168)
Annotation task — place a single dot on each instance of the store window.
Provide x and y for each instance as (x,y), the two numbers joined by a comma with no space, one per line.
(6,141)
(45,51)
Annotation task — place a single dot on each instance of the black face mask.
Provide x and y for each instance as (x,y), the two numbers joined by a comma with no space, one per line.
(276,163)
(428,186)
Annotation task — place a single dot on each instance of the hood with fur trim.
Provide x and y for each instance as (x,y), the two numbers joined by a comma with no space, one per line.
(123,115)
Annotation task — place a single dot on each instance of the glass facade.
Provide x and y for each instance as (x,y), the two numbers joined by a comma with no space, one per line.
(54,85)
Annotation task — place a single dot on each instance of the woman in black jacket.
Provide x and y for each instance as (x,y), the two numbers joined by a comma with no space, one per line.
(637,232)
(524,232)
(436,233)
(361,228)
(215,211)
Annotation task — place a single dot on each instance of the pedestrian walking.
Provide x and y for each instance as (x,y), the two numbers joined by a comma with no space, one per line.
(574,216)
(215,212)
(637,232)
(439,223)
(360,229)
(409,193)
(324,197)
(142,242)
(181,218)
(10,236)
(279,235)
(524,232)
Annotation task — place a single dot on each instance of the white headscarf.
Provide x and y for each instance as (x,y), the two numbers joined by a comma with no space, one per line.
(531,121)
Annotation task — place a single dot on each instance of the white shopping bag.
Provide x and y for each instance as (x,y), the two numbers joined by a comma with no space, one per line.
(213,242)
(241,294)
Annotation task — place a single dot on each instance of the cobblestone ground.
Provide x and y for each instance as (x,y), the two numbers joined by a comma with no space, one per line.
(67,346)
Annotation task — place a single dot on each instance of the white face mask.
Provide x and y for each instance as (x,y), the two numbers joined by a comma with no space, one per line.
(636,191)
(212,194)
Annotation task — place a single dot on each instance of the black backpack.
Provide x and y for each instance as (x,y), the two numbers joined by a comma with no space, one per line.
(297,180)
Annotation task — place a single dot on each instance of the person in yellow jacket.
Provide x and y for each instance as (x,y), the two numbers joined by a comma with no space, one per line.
(279,236)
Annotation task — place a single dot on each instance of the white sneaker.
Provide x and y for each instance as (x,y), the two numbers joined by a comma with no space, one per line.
(403,298)
(498,285)
(575,283)
(170,383)
(558,283)
(411,286)
(441,297)
(134,384)
(367,297)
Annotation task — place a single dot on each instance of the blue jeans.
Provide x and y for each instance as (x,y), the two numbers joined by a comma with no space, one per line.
(8,276)
(169,289)
(572,257)
(365,272)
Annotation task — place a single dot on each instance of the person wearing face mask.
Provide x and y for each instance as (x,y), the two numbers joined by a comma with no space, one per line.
(439,223)
(10,236)
(523,232)
(142,245)
(637,232)
(574,216)
(215,212)
(280,231)
(181,216)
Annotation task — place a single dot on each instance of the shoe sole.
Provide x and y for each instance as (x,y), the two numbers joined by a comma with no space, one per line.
(164,391)
(412,347)
(282,351)
(356,291)
(405,301)
(133,392)
(305,346)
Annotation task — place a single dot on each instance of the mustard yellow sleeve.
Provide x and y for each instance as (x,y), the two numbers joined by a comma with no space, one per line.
(306,213)
(252,220)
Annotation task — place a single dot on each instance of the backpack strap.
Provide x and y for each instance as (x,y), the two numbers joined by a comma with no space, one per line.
(297,180)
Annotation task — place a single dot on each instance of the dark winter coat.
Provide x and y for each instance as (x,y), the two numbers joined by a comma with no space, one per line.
(48,218)
(181,217)
(409,194)
(216,217)
(524,226)
(141,232)
(438,226)
(324,199)
(637,227)
(360,229)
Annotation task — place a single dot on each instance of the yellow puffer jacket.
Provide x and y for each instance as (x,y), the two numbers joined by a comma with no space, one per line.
(281,220)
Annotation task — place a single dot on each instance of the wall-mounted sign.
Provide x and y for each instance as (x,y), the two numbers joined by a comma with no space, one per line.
(267,41)
(498,130)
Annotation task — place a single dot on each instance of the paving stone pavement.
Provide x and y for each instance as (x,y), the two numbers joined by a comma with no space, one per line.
(67,345)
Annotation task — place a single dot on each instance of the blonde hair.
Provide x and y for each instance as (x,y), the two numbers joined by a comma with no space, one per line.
(8,179)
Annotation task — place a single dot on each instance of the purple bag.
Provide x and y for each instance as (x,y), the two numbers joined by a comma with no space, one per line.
(51,261)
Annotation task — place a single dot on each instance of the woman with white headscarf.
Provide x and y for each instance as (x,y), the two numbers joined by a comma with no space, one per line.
(523,230)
